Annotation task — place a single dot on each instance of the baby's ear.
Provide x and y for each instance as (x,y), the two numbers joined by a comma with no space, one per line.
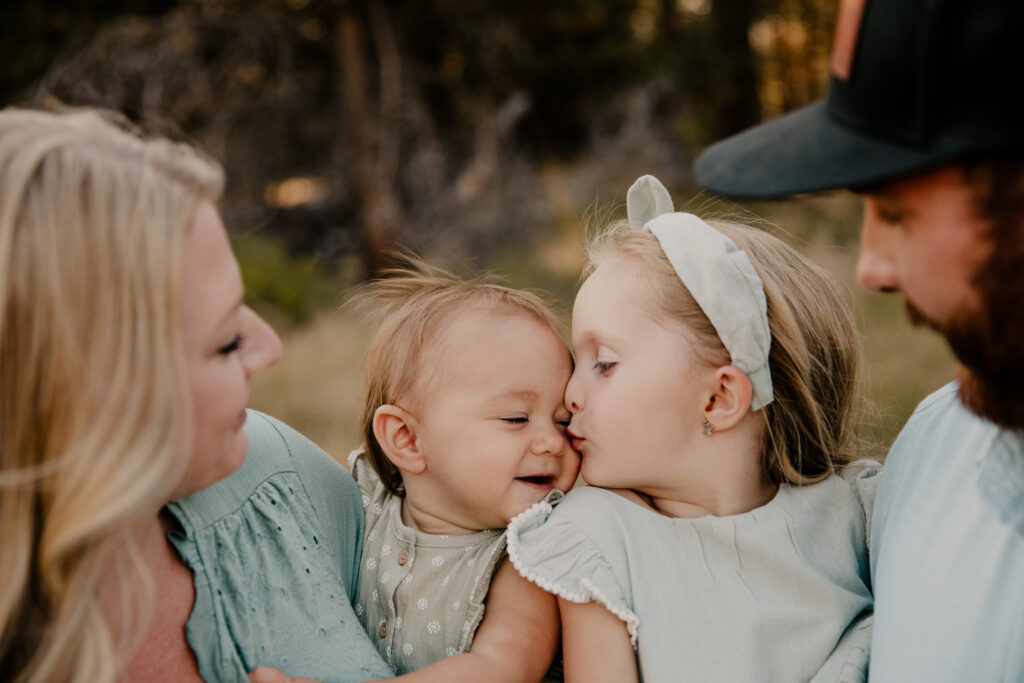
(395,430)
(730,397)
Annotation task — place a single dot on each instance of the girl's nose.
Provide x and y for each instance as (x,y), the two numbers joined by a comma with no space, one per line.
(573,399)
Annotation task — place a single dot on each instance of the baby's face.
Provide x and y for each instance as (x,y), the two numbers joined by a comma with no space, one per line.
(636,393)
(492,427)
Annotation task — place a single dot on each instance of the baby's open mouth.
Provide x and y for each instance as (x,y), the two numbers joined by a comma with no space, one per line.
(545,480)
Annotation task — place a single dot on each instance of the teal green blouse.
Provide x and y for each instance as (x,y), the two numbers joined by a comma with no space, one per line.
(274,550)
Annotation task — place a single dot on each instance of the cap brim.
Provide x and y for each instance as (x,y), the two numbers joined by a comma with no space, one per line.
(806,151)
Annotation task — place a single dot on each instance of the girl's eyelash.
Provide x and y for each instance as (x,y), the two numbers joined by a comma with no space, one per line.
(515,419)
(563,422)
(603,366)
(234,345)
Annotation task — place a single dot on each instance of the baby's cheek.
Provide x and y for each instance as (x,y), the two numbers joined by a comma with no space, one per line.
(571,470)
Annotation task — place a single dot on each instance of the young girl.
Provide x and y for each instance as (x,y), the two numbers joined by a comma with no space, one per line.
(712,404)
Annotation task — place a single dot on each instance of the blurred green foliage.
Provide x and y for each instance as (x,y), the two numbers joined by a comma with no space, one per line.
(288,288)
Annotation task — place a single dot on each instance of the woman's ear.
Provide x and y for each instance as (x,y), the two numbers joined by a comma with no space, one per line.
(395,430)
(729,399)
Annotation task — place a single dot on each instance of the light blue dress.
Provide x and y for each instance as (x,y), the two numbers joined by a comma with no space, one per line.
(947,550)
(780,593)
(274,550)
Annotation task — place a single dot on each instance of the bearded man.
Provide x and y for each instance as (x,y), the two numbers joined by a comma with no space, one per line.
(924,121)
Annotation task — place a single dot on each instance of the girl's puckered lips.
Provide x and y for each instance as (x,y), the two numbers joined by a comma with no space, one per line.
(575,440)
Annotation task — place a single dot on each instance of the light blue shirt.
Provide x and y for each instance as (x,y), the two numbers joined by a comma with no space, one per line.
(947,550)
(274,550)
(779,593)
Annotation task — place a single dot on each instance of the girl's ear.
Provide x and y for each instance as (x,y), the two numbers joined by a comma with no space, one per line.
(729,399)
(395,430)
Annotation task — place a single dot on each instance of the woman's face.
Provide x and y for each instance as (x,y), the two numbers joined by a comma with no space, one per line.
(225,344)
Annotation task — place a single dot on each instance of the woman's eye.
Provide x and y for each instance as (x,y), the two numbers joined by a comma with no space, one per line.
(603,366)
(234,345)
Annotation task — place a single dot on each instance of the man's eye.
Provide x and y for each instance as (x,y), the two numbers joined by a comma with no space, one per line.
(892,216)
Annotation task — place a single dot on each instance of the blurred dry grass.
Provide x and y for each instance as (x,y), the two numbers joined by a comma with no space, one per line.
(317,386)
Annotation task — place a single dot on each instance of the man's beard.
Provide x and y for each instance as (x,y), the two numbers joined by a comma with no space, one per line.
(989,343)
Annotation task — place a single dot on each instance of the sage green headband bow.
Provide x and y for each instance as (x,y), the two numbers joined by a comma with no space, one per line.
(718,275)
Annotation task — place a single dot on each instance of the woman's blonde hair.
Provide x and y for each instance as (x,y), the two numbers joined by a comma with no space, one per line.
(95,428)
(409,309)
(815,349)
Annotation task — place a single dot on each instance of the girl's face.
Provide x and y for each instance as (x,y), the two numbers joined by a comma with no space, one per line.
(636,394)
(225,344)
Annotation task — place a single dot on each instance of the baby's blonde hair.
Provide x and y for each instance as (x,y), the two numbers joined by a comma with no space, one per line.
(410,308)
(815,350)
(95,416)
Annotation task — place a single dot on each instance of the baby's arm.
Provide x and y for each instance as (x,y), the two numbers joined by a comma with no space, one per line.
(516,641)
(595,644)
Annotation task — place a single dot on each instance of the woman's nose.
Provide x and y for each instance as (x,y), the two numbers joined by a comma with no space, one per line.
(263,347)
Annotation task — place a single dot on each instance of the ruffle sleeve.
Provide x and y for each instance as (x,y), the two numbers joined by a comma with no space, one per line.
(548,548)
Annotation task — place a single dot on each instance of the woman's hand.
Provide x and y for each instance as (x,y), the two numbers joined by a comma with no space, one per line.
(268,674)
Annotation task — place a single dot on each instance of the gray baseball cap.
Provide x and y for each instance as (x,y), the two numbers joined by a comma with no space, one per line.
(915,83)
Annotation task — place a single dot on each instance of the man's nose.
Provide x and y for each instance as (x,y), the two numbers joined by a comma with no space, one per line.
(876,265)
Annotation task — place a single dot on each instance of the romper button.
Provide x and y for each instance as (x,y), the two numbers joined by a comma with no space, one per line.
(383,629)
(403,557)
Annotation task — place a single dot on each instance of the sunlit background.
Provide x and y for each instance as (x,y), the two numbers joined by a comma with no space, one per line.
(482,135)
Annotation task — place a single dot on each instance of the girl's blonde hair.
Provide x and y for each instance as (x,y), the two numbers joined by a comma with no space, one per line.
(815,350)
(409,309)
(95,427)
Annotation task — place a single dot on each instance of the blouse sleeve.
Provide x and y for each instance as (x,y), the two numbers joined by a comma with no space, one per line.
(863,477)
(551,548)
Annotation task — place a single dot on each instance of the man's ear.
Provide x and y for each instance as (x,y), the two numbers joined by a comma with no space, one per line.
(729,397)
(395,430)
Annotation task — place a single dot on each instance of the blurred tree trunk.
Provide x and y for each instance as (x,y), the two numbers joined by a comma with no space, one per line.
(738,106)
(373,136)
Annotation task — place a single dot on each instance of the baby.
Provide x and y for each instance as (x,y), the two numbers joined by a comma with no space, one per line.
(465,428)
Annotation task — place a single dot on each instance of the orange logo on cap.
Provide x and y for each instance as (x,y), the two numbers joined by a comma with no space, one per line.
(847,28)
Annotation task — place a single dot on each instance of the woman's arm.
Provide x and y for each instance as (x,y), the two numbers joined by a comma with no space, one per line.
(516,641)
(595,644)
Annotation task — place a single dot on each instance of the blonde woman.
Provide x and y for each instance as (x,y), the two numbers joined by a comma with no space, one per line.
(125,356)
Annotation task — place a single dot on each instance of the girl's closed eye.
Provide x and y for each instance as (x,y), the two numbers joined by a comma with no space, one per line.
(603,367)
(563,422)
(234,345)
(514,419)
